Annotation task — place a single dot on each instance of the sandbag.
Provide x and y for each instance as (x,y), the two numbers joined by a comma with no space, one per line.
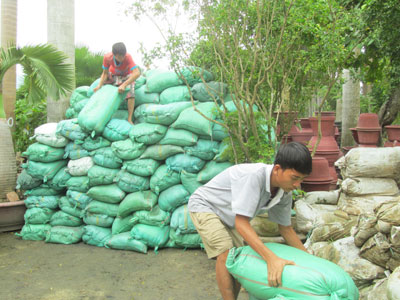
(128,149)
(163,178)
(141,166)
(34,232)
(60,179)
(98,219)
(42,190)
(395,236)
(203,149)
(210,91)
(38,215)
(75,151)
(189,181)
(124,224)
(382,162)
(124,241)
(361,204)
(43,153)
(95,235)
(26,181)
(71,130)
(161,81)
(173,197)
(365,228)
(393,285)
(389,211)
(142,97)
(131,183)
(103,208)
(161,152)
(345,254)
(101,176)
(46,134)
(44,170)
(182,161)
(78,199)
(322,197)
(110,193)
(153,236)
(311,277)
(179,137)
(376,249)
(155,217)
(99,109)
(175,94)
(136,201)
(105,157)
(369,186)
(181,221)
(192,75)
(78,183)
(80,167)
(120,114)
(61,218)
(164,114)
(212,169)
(332,230)
(66,206)
(147,133)
(50,202)
(79,94)
(64,235)
(188,240)
(91,144)
(264,227)
(117,130)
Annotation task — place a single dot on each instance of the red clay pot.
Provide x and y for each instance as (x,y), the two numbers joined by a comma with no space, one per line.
(355,134)
(393,132)
(327,125)
(305,123)
(368,137)
(368,120)
(328,114)
(320,178)
(302,137)
(12,215)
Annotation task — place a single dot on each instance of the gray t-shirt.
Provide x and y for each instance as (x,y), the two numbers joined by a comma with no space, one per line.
(242,189)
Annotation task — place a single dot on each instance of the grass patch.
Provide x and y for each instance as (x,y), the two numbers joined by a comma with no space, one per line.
(2,114)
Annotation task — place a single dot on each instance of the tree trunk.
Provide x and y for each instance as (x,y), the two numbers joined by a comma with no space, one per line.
(60,33)
(390,109)
(350,107)
(9,36)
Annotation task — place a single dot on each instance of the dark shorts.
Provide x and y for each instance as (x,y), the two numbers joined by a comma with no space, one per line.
(118,80)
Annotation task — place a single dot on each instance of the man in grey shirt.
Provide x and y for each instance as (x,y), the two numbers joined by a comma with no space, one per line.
(222,209)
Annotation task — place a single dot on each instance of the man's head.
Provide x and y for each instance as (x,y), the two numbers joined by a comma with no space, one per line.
(119,51)
(292,164)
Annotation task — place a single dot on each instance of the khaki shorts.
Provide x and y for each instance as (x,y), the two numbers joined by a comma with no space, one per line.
(216,236)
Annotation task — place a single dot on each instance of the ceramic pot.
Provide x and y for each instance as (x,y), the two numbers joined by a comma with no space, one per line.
(305,123)
(302,137)
(393,132)
(368,120)
(12,215)
(368,137)
(327,125)
(320,178)
(355,135)
(328,113)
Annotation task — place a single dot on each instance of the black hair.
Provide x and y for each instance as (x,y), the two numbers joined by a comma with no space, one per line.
(296,156)
(119,48)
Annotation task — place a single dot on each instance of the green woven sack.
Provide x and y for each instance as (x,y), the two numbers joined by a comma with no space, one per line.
(219,132)
(179,162)
(66,206)
(128,149)
(101,176)
(79,94)
(61,218)
(181,221)
(140,82)
(64,235)
(173,197)
(34,232)
(193,121)
(311,278)
(193,75)
(163,178)
(42,190)
(120,114)
(42,201)
(143,97)
(132,183)
(43,153)
(147,133)
(78,199)
(99,109)
(91,144)
(141,166)
(103,208)
(79,106)
(98,219)
(70,113)
(78,183)
(124,224)
(124,241)
(44,170)
(153,236)
(179,137)
(71,130)
(107,193)
(188,240)
(204,149)
(117,130)
(145,200)
(189,181)
(221,156)
(60,179)
(105,157)
(175,94)
(161,152)
(95,235)
(26,181)
(38,215)
(155,217)
(75,151)
(210,91)
(212,169)
(164,114)
(94,84)
(161,81)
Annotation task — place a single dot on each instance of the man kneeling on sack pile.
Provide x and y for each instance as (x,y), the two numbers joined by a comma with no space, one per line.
(222,209)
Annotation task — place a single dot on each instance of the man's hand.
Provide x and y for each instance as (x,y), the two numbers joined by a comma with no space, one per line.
(121,88)
(96,89)
(275,269)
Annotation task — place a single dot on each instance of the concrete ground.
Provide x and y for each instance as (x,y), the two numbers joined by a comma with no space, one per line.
(36,270)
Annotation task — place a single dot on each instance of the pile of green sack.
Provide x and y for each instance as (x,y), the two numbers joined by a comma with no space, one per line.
(96,178)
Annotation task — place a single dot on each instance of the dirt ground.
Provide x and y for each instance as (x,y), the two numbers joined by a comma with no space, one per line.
(36,270)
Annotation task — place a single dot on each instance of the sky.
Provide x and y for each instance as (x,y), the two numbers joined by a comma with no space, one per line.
(98,25)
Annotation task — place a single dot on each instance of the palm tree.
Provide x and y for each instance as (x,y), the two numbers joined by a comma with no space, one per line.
(47,73)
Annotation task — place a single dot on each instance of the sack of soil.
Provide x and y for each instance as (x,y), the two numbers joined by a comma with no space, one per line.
(322,197)
(124,241)
(362,186)
(64,235)
(389,211)
(361,204)
(376,249)
(155,217)
(95,235)
(393,285)
(365,228)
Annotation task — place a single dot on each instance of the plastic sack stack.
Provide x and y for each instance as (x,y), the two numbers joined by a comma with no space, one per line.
(111,184)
